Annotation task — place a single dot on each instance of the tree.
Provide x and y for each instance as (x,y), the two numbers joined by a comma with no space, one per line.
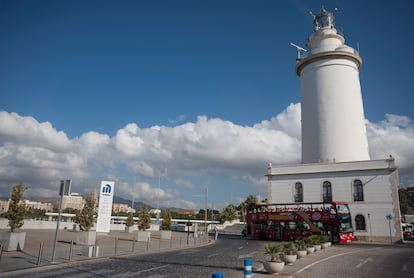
(129,222)
(229,213)
(166,220)
(17,209)
(86,217)
(406,200)
(244,206)
(144,221)
(33,213)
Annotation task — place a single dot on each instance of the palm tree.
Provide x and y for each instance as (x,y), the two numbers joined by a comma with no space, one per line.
(274,250)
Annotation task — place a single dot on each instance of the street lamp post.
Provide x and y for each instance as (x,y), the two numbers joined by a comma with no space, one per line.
(205,214)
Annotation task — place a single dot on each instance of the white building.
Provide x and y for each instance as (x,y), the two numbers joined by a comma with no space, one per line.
(336,163)
(39,205)
(74,201)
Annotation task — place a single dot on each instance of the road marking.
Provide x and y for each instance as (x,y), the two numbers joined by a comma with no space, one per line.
(189,251)
(212,255)
(241,247)
(405,267)
(331,257)
(367,260)
(151,269)
(247,255)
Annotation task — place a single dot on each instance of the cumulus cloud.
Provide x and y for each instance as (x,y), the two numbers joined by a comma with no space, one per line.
(27,131)
(35,153)
(288,121)
(209,148)
(394,136)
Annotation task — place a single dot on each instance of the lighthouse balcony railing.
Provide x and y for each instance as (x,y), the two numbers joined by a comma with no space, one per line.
(304,55)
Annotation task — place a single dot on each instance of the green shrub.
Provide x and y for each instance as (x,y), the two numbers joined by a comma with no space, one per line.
(323,239)
(129,222)
(86,217)
(315,239)
(308,241)
(274,250)
(144,221)
(17,209)
(300,244)
(289,248)
(166,220)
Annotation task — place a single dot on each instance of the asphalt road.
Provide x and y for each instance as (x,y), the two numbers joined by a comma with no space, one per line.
(362,260)
(227,256)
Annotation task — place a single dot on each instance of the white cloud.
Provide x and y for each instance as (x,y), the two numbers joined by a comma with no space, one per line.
(128,141)
(288,121)
(186,156)
(28,131)
(35,153)
(179,119)
(394,136)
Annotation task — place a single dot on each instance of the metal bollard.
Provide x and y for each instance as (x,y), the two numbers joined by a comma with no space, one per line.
(95,251)
(116,245)
(39,257)
(71,250)
(148,243)
(1,250)
(248,268)
(133,245)
(217,275)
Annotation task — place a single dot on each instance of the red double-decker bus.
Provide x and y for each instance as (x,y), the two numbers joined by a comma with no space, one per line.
(298,220)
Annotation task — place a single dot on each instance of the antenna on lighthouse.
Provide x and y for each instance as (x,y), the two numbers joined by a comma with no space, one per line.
(299,49)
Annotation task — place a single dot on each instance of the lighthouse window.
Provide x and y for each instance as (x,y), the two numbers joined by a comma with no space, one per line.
(327,191)
(358,191)
(298,192)
(324,21)
(360,222)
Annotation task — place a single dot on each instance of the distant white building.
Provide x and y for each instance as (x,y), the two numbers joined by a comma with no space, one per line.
(74,201)
(4,205)
(336,163)
(39,205)
(122,208)
(155,211)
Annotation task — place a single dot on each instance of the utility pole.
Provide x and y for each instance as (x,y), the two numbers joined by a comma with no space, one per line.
(205,214)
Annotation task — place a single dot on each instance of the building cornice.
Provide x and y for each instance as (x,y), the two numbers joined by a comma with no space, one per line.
(302,63)
(323,168)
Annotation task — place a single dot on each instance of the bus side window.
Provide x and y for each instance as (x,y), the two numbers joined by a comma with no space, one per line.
(303,226)
(292,225)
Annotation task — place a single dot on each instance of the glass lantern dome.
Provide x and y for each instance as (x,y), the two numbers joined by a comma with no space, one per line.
(324,19)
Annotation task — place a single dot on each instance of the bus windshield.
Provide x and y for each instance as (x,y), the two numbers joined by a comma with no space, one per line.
(344,218)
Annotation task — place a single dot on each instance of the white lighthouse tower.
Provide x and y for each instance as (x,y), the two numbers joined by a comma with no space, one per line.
(333,127)
(335,161)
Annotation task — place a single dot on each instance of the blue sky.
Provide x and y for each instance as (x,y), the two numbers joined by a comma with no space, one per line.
(183,81)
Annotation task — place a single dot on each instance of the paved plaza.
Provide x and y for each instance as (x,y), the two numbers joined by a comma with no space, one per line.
(38,247)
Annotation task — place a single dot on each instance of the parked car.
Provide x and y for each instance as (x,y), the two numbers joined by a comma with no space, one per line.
(407,231)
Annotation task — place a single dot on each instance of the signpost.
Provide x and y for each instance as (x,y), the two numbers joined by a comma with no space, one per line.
(106,196)
(65,186)
(389,218)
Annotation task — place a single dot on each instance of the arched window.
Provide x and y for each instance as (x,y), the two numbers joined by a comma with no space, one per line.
(360,222)
(298,192)
(327,191)
(358,190)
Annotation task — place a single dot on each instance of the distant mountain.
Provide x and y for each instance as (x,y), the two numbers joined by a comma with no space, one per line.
(137,205)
